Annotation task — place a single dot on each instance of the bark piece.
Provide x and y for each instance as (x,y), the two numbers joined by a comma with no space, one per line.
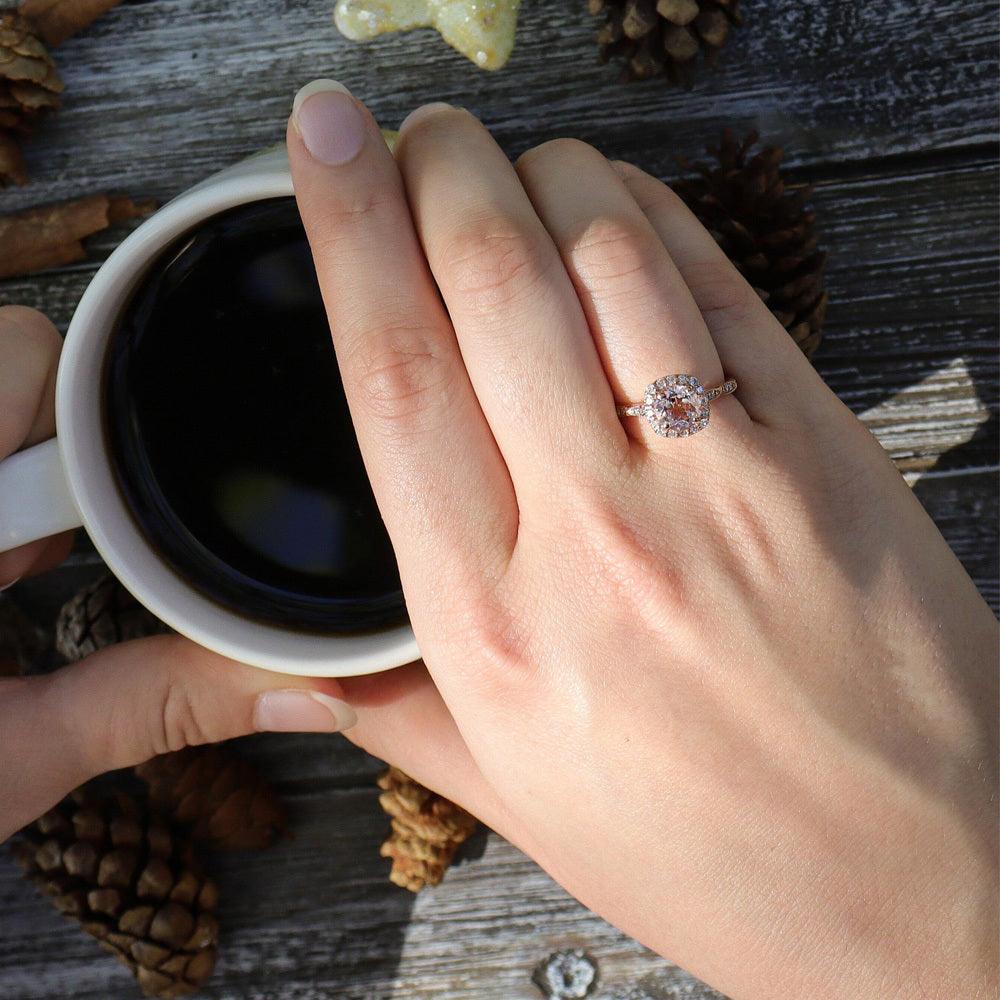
(57,20)
(52,235)
(12,166)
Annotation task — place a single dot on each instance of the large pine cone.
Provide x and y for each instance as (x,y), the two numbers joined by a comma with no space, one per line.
(664,37)
(219,797)
(766,230)
(29,86)
(427,830)
(128,880)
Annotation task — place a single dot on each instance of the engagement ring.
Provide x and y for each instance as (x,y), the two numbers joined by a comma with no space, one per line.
(677,405)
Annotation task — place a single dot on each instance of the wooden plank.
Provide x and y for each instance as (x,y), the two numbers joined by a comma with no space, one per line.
(911,337)
(966,509)
(159,95)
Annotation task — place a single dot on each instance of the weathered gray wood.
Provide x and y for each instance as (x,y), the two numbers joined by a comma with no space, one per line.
(889,108)
(912,278)
(160,94)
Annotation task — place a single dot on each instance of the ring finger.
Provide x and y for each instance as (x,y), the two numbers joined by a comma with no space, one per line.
(642,315)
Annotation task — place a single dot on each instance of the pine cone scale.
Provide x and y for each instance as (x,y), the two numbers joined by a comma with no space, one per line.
(678,12)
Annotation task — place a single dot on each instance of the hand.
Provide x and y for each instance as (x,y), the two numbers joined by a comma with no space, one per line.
(733,691)
(128,703)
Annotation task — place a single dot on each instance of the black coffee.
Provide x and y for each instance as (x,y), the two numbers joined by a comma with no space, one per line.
(230,434)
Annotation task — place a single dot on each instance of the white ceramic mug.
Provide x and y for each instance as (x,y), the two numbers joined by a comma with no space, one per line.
(68,482)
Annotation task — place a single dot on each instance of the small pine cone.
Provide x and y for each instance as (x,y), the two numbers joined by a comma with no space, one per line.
(130,882)
(29,87)
(427,830)
(766,229)
(102,614)
(664,37)
(220,797)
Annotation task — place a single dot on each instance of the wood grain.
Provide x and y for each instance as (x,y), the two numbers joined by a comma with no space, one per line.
(888,108)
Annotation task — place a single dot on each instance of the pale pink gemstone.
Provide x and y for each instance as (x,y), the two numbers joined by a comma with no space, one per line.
(676,406)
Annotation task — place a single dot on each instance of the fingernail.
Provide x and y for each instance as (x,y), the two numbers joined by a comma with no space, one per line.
(301,712)
(7,586)
(330,122)
(424,111)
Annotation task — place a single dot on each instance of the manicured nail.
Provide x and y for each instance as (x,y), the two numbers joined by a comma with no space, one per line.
(330,122)
(301,712)
(424,111)
(7,586)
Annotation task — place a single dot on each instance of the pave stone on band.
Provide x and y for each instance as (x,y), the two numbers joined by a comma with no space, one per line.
(677,405)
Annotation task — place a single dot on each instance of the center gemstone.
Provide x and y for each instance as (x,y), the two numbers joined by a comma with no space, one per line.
(676,406)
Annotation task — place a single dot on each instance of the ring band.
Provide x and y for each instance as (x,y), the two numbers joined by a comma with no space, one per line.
(677,405)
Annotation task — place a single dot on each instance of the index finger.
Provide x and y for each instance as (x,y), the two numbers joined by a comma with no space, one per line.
(441,485)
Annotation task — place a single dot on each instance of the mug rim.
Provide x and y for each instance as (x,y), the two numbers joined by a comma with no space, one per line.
(82,446)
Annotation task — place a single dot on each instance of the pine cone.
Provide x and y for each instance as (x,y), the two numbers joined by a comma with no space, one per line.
(220,797)
(99,615)
(131,883)
(427,830)
(664,37)
(766,230)
(29,86)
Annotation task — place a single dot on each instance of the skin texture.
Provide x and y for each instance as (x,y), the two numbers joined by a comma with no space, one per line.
(733,691)
(162,694)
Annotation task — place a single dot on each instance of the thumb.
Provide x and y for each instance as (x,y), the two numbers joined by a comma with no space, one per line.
(133,701)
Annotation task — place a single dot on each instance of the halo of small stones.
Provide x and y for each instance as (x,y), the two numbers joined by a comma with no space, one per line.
(663,395)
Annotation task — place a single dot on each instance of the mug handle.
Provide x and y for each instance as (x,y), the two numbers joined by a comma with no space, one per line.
(35,500)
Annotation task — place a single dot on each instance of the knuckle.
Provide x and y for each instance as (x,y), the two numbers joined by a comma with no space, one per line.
(622,561)
(656,199)
(490,264)
(723,296)
(345,215)
(627,171)
(401,373)
(560,149)
(616,257)
(180,720)
(179,725)
(503,656)
(435,122)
